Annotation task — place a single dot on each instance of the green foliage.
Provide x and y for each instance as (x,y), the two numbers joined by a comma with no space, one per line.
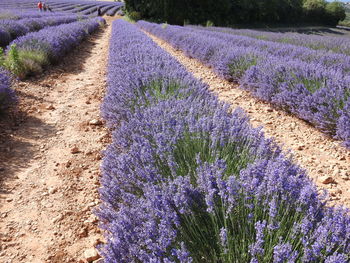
(209,23)
(239,66)
(134,15)
(2,57)
(158,90)
(23,62)
(335,12)
(228,12)
(200,229)
(13,63)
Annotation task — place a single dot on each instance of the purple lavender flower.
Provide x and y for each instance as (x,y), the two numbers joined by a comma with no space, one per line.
(7,95)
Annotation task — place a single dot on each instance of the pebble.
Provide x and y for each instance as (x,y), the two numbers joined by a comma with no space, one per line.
(91,254)
(50,107)
(301,147)
(95,122)
(345,178)
(57,218)
(52,190)
(68,164)
(334,192)
(327,180)
(75,150)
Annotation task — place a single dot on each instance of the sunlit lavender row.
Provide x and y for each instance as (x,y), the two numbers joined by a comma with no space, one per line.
(7,95)
(34,43)
(314,85)
(12,29)
(186,180)
(14,8)
(337,44)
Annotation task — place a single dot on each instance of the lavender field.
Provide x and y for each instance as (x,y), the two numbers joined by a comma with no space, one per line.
(312,84)
(185,180)
(31,39)
(131,157)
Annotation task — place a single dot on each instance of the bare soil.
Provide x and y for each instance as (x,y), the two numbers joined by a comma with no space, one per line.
(326,161)
(49,160)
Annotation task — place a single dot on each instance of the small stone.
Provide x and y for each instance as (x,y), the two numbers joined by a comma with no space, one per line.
(269,110)
(91,254)
(57,218)
(336,172)
(95,122)
(342,158)
(50,107)
(345,177)
(301,147)
(2,169)
(52,190)
(9,199)
(83,232)
(75,150)
(327,180)
(88,102)
(68,164)
(335,192)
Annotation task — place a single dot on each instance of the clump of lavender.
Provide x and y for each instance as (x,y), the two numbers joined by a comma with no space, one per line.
(36,49)
(187,180)
(7,95)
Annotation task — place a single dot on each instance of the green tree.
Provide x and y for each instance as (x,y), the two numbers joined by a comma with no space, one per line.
(314,10)
(335,12)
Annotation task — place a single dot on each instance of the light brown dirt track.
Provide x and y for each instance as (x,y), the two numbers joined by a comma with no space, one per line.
(48,193)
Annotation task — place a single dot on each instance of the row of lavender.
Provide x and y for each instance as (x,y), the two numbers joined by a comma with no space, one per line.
(7,95)
(314,85)
(29,53)
(79,7)
(10,30)
(186,180)
(339,44)
(54,42)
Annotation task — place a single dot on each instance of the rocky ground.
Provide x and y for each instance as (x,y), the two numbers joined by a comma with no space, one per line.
(50,157)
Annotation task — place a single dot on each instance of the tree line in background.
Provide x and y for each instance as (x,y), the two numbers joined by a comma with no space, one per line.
(233,12)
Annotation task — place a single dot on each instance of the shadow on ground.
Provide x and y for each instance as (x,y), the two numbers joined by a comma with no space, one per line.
(22,130)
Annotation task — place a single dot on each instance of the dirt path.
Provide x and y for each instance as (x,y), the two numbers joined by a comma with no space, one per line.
(49,164)
(325,160)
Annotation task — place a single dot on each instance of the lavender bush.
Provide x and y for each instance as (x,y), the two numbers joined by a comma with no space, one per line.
(310,84)
(15,9)
(48,45)
(339,44)
(186,180)
(7,95)
(15,29)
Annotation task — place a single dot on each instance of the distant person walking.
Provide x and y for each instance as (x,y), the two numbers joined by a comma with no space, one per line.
(49,8)
(40,6)
(99,13)
(44,7)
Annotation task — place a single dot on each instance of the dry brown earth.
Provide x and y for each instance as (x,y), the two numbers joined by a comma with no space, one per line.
(49,161)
